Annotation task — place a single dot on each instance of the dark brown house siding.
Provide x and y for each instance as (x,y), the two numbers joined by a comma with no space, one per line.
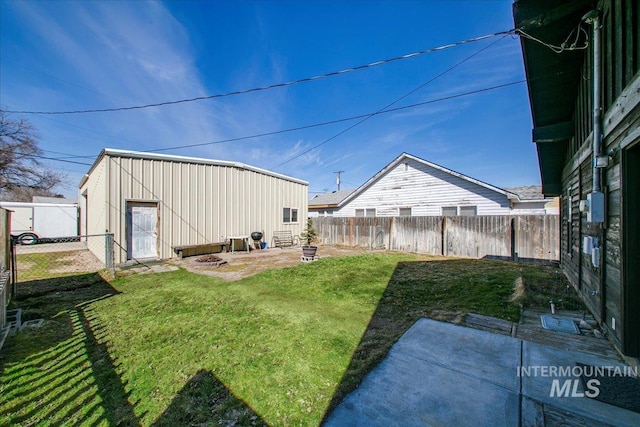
(611,290)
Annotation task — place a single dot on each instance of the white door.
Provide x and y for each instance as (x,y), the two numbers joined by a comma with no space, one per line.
(143,230)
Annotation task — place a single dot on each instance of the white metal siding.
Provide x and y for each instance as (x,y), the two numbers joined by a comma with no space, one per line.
(426,190)
(21,218)
(94,209)
(200,203)
(55,220)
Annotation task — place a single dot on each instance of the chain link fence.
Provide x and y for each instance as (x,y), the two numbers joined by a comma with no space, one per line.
(48,258)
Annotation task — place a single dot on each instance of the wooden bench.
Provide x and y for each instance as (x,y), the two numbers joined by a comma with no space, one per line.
(202,249)
(283,239)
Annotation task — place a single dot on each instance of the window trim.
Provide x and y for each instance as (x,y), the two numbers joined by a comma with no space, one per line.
(475,210)
(405,207)
(365,212)
(291,210)
(442,208)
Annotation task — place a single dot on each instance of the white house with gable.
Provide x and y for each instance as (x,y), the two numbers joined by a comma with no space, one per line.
(411,186)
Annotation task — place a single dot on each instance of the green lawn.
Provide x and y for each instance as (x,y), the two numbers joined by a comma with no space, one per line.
(278,348)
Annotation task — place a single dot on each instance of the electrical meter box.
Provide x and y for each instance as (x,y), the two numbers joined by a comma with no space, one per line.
(595,201)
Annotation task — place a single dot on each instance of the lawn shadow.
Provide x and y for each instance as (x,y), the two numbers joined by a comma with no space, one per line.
(443,290)
(64,365)
(205,400)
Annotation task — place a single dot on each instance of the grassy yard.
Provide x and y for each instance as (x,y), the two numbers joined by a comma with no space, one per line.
(278,348)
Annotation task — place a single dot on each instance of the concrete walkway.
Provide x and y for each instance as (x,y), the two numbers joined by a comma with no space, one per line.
(440,374)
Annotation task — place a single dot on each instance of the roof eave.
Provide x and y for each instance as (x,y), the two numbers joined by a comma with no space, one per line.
(157,156)
(549,74)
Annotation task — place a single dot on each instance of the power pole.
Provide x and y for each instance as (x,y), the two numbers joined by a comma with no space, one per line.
(338,178)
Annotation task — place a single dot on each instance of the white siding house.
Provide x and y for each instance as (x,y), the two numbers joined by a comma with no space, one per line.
(154,202)
(410,186)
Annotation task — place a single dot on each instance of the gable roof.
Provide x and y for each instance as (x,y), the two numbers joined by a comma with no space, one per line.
(406,156)
(330,199)
(184,159)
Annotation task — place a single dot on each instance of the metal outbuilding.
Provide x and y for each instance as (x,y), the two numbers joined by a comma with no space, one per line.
(153,202)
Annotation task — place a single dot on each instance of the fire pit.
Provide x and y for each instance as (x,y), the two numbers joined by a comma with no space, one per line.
(211,260)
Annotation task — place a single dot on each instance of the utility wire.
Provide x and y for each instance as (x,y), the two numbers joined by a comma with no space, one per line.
(385,108)
(57,160)
(278,85)
(368,115)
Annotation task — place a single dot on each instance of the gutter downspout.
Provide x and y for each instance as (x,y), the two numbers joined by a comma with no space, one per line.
(597,201)
(593,18)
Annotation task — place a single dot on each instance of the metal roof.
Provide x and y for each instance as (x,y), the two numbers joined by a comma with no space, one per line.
(184,159)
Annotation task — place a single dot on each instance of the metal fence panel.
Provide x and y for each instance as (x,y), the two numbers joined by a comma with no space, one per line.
(64,256)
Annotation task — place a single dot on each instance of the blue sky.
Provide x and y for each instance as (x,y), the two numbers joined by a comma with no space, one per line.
(75,55)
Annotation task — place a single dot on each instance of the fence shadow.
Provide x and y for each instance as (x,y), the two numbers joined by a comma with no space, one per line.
(204,399)
(395,313)
(542,261)
(443,290)
(62,372)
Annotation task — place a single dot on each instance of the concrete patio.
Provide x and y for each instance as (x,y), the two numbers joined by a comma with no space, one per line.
(440,374)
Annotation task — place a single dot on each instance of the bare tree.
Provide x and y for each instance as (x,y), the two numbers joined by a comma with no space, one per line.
(21,174)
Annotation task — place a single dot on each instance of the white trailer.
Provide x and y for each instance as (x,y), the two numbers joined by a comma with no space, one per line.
(44,220)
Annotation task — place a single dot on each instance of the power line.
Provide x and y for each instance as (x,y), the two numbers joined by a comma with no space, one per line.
(68,156)
(385,108)
(278,85)
(57,160)
(390,110)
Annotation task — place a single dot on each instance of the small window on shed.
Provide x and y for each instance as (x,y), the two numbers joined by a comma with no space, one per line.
(404,211)
(468,210)
(359,213)
(289,215)
(449,211)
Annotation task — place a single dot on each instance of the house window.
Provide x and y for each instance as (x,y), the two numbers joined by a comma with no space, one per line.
(290,215)
(404,211)
(369,212)
(449,211)
(468,210)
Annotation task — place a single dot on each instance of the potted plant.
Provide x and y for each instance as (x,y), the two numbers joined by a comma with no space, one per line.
(309,235)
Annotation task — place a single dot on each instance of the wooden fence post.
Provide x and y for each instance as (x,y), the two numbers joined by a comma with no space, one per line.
(443,234)
(350,231)
(514,237)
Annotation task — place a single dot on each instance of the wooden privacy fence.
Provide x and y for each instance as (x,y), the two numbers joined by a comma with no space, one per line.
(526,237)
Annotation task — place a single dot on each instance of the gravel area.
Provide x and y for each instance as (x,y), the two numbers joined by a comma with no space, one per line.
(241,264)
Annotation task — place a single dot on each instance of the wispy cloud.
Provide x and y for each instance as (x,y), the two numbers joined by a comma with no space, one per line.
(132,53)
